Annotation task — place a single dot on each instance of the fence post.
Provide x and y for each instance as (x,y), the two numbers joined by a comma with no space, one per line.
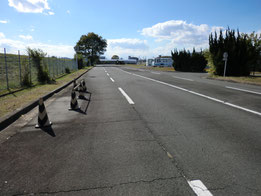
(20,72)
(53,68)
(30,69)
(6,70)
(49,69)
(56,64)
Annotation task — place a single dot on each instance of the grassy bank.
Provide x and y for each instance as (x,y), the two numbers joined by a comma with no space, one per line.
(12,102)
(151,68)
(244,80)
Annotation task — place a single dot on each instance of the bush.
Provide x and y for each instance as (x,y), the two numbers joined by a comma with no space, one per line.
(188,62)
(67,70)
(243,53)
(26,81)
(37,56)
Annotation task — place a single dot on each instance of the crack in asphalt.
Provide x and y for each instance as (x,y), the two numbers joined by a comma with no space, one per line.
(99,187)
(181,171)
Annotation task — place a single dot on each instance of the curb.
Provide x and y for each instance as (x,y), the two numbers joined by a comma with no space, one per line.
(9,119)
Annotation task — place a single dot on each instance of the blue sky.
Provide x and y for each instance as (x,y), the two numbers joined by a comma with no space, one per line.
(142,28)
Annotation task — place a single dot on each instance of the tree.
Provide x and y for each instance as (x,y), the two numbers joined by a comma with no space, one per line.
(243,53)
(91,46)
(79,60)
(188,62)
(115,57)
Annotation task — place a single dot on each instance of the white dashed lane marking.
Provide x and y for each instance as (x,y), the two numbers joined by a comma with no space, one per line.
(154,72)
(112,80)
(183,78)
(199,188)
(126,96)
(199,94)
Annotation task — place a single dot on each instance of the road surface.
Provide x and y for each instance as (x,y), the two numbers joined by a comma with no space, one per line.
(144,133)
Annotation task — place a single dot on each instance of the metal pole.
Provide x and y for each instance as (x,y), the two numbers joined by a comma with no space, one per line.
(20,72)
(30,71)
(6,70)
(225,68)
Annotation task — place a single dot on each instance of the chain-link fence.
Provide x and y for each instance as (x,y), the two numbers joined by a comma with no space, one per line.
(15,69)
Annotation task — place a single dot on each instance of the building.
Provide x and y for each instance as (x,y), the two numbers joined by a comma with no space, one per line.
(163,61)
(118,61)
(133,58)
(150,62)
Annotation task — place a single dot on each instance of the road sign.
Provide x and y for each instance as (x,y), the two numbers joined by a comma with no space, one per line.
(225,55)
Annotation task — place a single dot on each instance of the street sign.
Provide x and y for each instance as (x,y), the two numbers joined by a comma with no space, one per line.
(225,55)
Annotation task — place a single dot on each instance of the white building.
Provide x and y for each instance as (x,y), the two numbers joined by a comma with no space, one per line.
(161,61)
(164,61)
(150,62)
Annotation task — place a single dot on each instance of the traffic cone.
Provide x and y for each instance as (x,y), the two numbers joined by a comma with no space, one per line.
(74,102)
(74,84)
(81,94)
(84,86)
(43,120)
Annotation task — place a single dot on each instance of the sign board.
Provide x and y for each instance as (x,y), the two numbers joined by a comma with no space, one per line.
(225,55)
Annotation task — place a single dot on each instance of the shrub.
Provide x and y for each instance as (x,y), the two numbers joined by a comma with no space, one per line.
(242,52)
(37,56)
(188,62)
(67,70)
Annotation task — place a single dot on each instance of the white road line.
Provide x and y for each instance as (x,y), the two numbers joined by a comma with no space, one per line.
(199,188)
(201,95)
(126,96)
(240,89)
(108,74)
(154,72)
(112,80)
(125,71)
(182,78)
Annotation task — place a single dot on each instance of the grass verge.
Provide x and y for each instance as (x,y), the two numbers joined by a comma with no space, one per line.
(244,80)
(151,68)
(14,101)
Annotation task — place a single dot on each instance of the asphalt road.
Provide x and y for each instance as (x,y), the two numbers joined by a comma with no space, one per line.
(144,133)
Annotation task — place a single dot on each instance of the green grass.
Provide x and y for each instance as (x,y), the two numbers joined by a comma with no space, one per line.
(151,68)
(244,80)
(55,66)
(12,102)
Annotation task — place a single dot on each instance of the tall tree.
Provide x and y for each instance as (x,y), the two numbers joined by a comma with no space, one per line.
(243,53)
(186,61)
(91,46)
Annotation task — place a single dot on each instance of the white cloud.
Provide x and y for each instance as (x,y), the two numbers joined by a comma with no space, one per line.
(51,13)
(13,46)
(29,6)
(181,34)
(125,47)
(26,37)
(68,12)
(2,35)
(3,21)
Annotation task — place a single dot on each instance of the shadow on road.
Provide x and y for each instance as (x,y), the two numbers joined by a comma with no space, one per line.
(85,102)
(48,130)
